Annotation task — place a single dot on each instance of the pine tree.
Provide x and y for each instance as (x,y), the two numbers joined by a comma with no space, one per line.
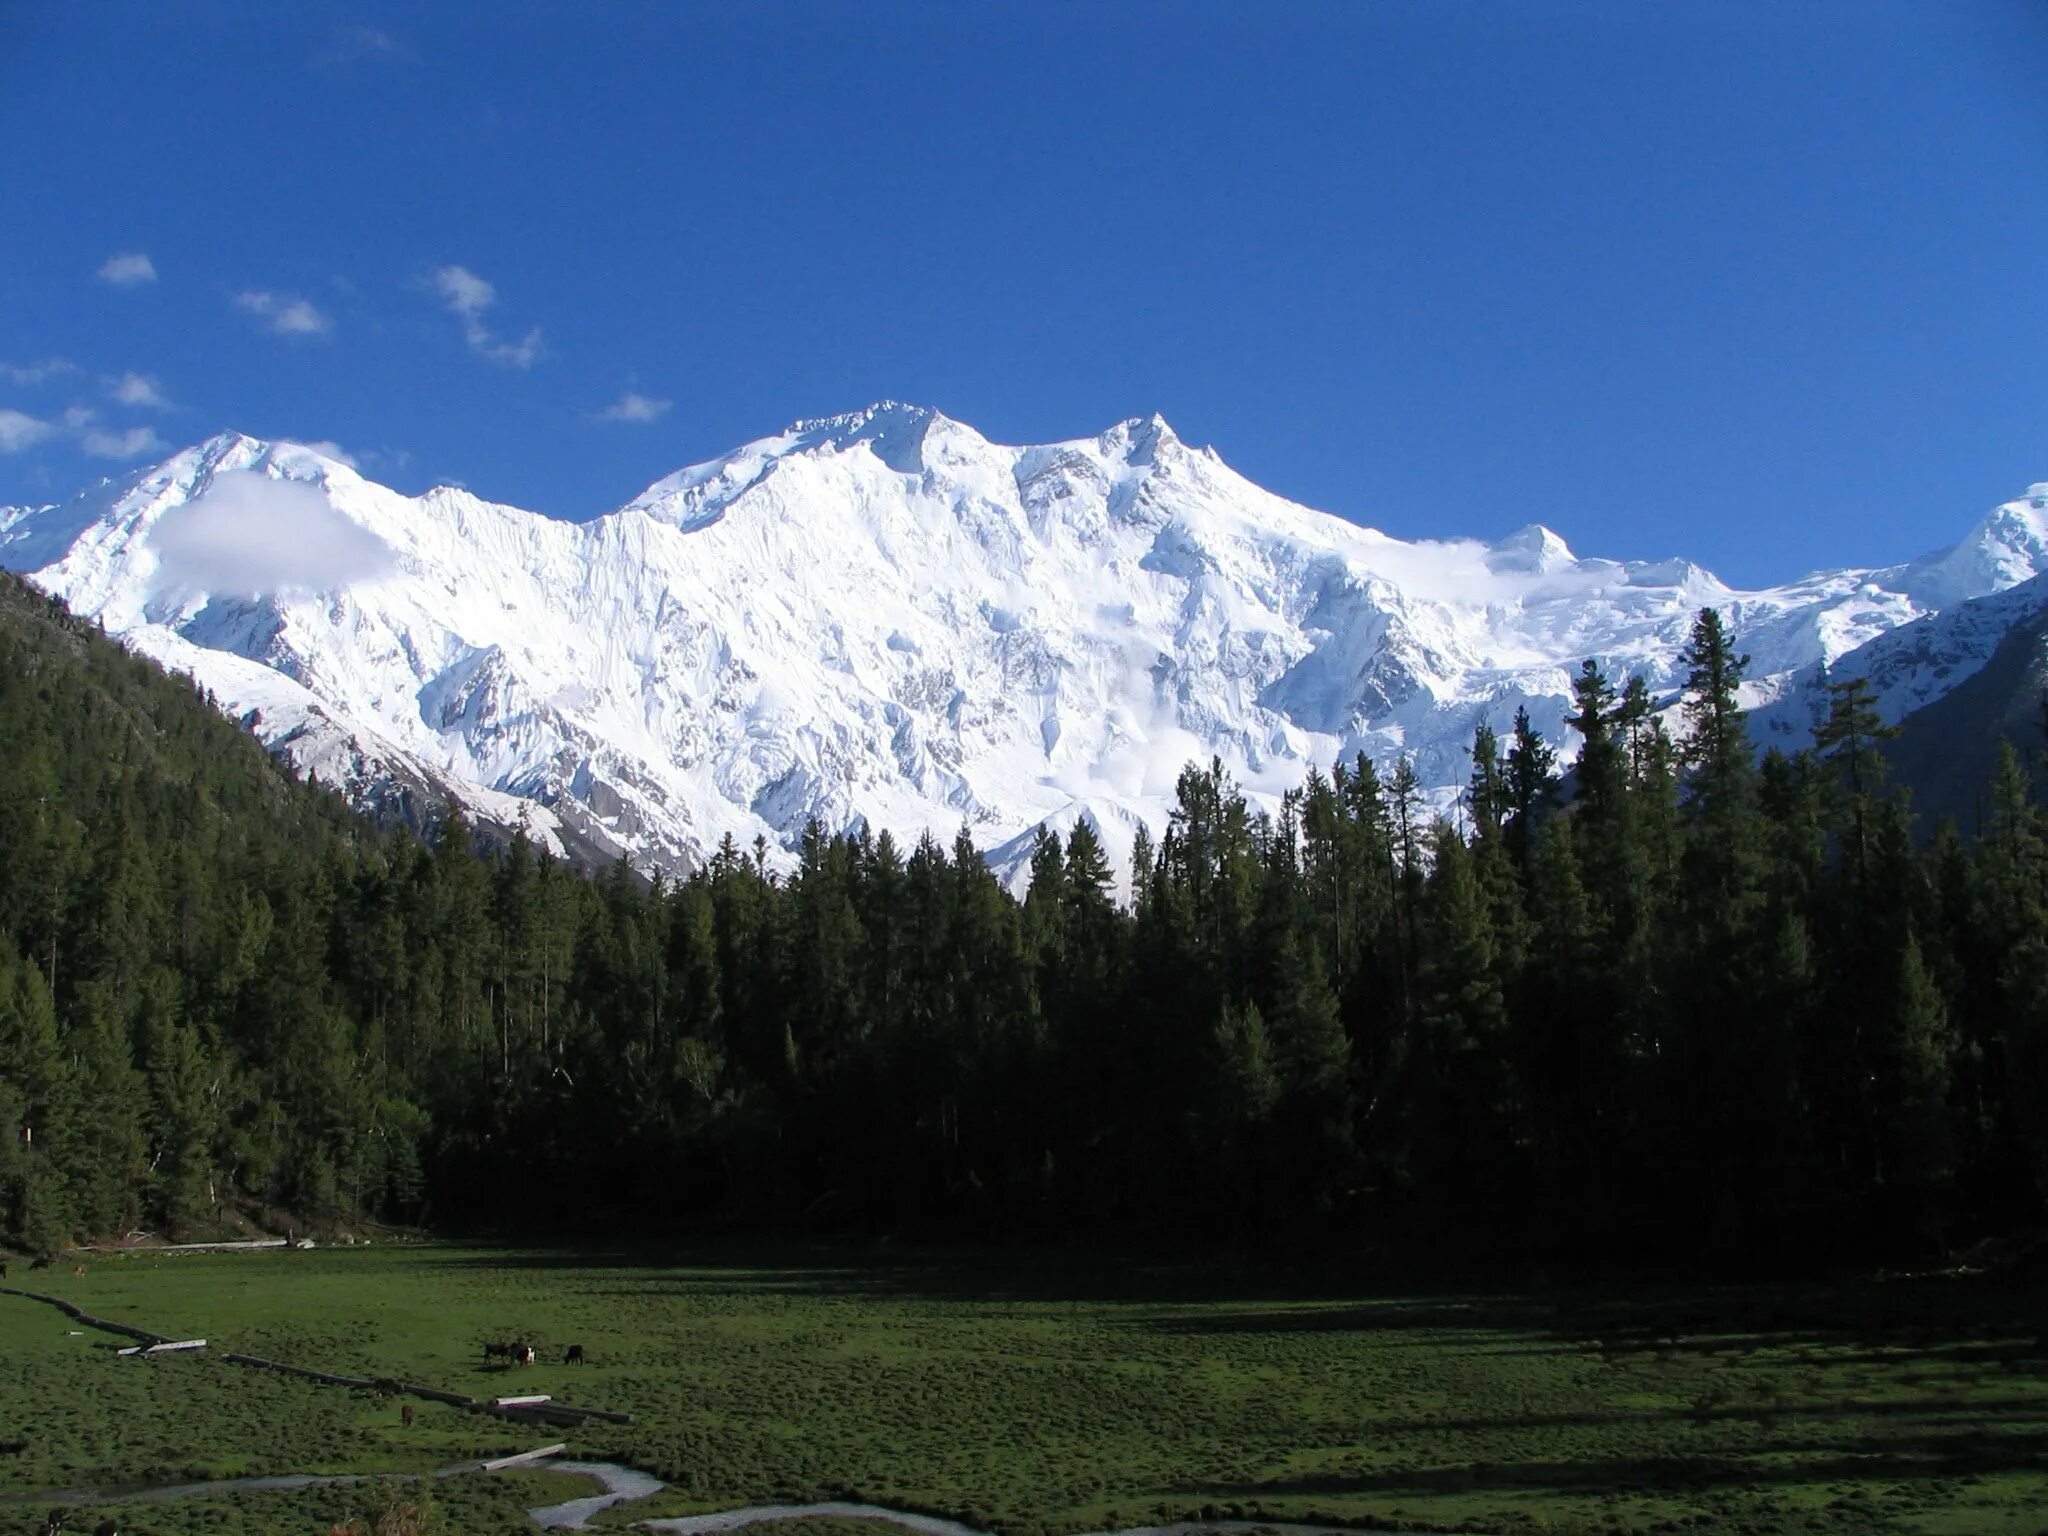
(1469,1104)
(1716,748)
(1848,742)
(1486,793)
(39,1096)
(1600,768)
(1311,1059)
(1531,775)
(1917,1057)
(184,1118)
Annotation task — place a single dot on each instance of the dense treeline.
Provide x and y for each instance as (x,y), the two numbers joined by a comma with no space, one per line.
(1683,1001)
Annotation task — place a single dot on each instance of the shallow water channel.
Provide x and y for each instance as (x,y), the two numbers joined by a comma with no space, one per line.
(624,1485)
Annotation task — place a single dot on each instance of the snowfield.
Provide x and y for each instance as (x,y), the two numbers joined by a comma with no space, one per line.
(884,618)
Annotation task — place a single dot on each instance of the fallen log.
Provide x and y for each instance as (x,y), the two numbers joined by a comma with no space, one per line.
(257,1242)
(523,1457)
(162,1349)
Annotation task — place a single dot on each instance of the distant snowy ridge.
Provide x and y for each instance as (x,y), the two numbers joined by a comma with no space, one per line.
(884,618)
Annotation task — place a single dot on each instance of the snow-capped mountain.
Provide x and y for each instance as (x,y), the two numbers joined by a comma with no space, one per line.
(1908,667)
(884,617)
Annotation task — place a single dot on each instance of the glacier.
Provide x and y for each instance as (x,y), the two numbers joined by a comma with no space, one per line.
(884,619)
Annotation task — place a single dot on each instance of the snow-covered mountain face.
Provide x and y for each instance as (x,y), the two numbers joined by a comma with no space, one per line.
(885,618)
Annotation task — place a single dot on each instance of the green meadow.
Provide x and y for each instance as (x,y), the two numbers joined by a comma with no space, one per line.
(1026,1393)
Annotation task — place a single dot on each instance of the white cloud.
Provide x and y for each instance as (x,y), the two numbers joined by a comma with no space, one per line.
(284,313)
(138,389)
(327,448)
(127,270)
(19,431)
(634,407)
(523,353)
(467,296)
(35,373)
(250,535)
(132,444)
(463,291)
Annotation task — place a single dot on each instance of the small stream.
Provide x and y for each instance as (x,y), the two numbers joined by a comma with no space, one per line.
(623,1485)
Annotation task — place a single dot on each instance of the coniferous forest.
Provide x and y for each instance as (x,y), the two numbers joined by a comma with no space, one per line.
(1680,1003)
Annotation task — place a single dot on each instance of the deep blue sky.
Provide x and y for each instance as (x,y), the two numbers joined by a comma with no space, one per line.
(1766,284)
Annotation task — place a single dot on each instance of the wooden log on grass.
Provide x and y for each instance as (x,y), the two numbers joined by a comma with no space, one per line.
(502,1462)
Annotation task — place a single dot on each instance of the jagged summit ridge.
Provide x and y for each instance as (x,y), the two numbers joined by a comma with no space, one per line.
(882,617)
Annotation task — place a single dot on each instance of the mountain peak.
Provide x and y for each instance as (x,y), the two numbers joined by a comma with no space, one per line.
(1140,439)
(2009,544)
(881,417)
(1531,547)
(895,432)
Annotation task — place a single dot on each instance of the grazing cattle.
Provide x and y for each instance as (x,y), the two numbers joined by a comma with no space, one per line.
(77,1271)
(498,1350)
(3,1271)
(40,1261)
(107,1527)
(405,1415)
(574,1356)
(522,1354)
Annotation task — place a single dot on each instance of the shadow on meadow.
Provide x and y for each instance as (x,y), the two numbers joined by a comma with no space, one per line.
(1794,1462)
(1959,1322)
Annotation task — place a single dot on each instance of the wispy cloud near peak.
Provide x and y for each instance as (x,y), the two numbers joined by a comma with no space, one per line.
(633,406)
(36,373)
(251,534)
(130,269)
(20,431)
(284,313)
(138,389)
(131,444)
(468,296)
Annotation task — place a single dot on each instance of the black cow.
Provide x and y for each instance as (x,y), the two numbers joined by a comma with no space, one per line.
(498,1350)
(522,1354)
(574,1356)
(107,1527)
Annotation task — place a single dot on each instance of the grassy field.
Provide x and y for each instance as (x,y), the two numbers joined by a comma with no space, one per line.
(1060,1395)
